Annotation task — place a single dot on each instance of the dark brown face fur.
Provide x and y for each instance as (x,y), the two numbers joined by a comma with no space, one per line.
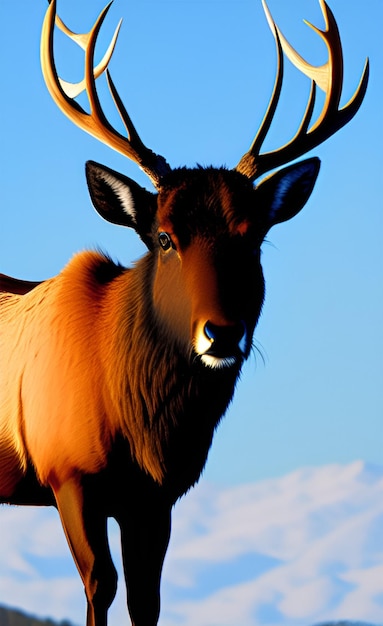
(211,274)
(208,203)
(204,231)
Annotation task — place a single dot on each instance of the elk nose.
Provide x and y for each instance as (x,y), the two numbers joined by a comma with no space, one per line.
(225,340)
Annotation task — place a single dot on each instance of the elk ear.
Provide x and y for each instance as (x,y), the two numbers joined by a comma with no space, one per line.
(283,194)
(120,200)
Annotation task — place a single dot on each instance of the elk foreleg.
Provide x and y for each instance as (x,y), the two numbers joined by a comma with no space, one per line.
(144,536)
(85,527)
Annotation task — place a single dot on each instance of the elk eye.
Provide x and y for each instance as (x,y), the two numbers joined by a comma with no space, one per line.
(165,241)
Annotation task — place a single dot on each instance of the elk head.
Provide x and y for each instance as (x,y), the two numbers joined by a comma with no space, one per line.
(204,227)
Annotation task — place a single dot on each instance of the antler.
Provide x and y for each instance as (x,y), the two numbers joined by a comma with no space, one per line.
(328,77)
(95,122)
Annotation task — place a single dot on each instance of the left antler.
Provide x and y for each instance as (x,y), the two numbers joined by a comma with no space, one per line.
(95,122)
(328,77)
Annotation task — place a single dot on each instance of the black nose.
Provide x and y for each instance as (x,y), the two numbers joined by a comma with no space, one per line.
(225,340)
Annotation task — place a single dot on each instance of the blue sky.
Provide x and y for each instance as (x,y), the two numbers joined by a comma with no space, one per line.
(196,77)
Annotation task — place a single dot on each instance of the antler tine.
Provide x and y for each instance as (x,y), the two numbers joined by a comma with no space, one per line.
(82,39)
(329,78)
(95,122)
(270,112)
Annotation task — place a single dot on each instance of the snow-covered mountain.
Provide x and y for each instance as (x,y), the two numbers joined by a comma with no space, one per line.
(303,549)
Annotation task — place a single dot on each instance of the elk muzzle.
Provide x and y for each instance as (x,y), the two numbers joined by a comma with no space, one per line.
(221,345)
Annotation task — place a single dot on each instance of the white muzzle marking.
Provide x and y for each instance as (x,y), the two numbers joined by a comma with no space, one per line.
(215,362)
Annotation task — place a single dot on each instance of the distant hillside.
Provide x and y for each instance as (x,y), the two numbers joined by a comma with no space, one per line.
(13,617)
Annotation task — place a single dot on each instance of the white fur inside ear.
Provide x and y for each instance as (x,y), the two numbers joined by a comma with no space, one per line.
(123,193)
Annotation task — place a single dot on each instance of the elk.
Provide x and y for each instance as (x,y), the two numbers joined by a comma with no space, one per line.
(114,379)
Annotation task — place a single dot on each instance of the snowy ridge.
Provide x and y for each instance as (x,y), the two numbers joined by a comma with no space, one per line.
(302,549)
(305,549)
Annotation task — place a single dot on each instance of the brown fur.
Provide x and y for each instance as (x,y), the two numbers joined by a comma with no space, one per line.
(15,285)
(111,385)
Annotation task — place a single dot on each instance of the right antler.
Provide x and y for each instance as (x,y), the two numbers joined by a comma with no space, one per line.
(329,77)
(95,122)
